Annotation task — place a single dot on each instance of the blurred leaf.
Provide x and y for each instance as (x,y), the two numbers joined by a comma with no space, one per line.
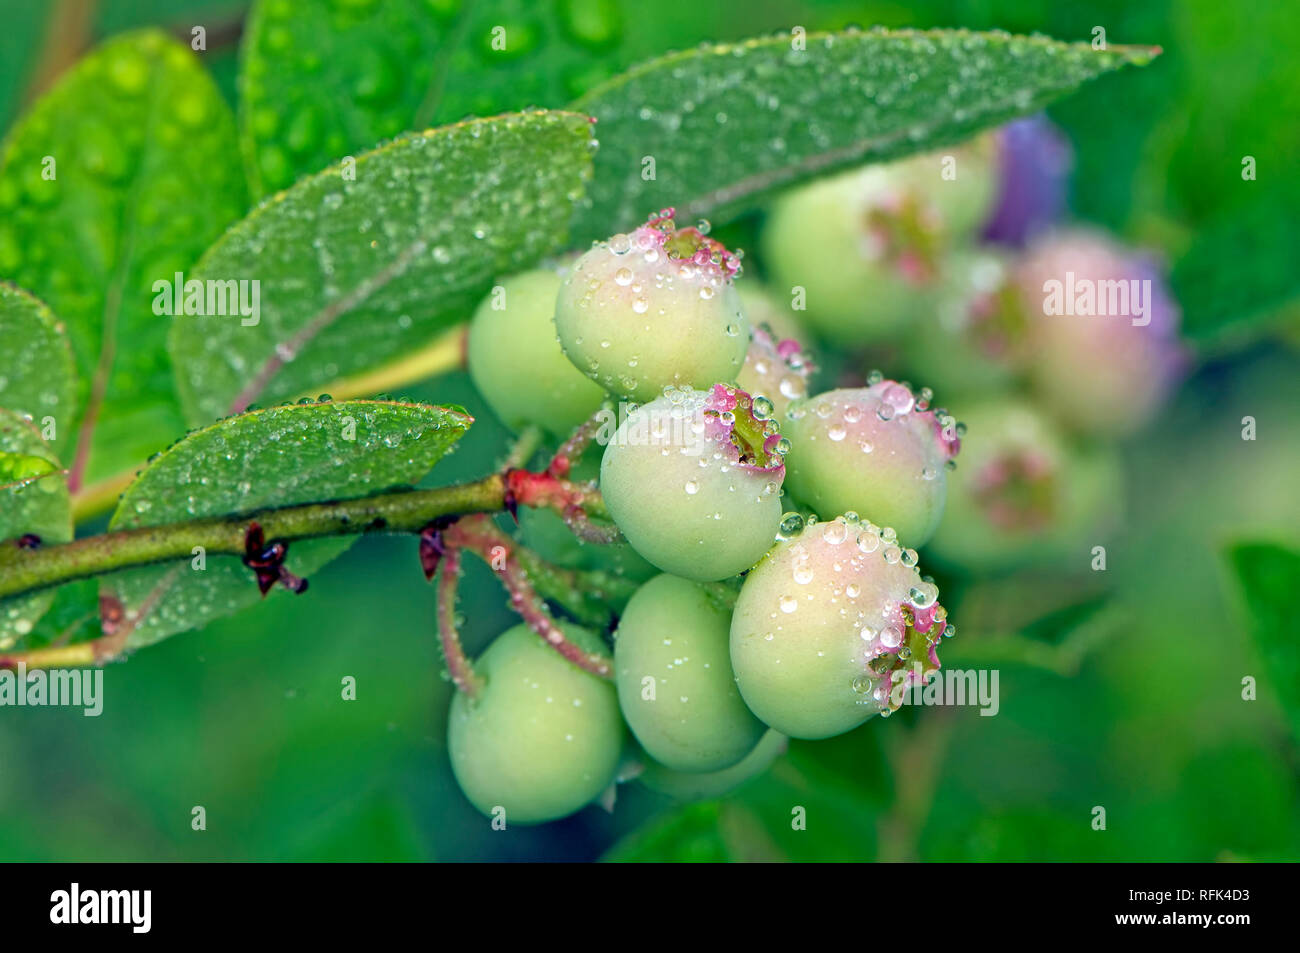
(728,125)
(1269,577)
(33,499)
(38,379)
(1240,270)
(357,269)
(380,827)
(689,834)
(276,457)
(321,79)
(120,176)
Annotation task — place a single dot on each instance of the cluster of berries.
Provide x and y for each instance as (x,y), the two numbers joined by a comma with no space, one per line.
(774,530)
(721,464)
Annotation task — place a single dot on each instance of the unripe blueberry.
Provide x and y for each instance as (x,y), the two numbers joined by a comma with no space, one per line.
(765,305)
(832,626)
(973,340)
(673,672)
(878,451)
(542,738)
(1023,494)
(697,785)
(776,369)
(654,308)
(1102,336)
(516,362)
(864,245)
(693,480)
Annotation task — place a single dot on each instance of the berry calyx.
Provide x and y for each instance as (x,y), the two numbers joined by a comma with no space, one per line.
(693,480)
(673,672)
(542,738)
(654,308)
(880,451)
(832,627)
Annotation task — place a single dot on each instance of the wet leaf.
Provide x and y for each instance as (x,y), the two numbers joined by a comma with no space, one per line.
(357,265)
(33,499)
(37,378)
(119,177)
(714,131)
(275,457)
(322,79)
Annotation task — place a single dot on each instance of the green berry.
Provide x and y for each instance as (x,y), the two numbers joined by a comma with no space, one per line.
(833,622)
(864,246)
(697,785)
(654,308)
(693,480)
(974,339)
(1023,494)
(516,361)
(878,451)
(673,672)
(763,306)
(542,738)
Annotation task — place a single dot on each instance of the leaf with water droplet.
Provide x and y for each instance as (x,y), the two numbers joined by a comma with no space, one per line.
(33,499)
(1268,578)
(276,457)
(709,116)
(118,177)
(355,270)
(37,378)
(320,79)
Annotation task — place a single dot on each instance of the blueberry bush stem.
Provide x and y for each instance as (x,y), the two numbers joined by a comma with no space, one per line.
(24,570)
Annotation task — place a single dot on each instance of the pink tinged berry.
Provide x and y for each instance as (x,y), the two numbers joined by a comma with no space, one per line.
(654,308)
(693,480)
(833,626)
(776,370)
(1023,494)
(881,451)
(1102,346)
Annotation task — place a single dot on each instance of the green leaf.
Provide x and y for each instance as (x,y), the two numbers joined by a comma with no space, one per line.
(276,457)
(728,125)
(38,379)
(323,79)
(689,834)
(33,499)
(1240,270)
(355,271)
(1269,578)
(120,176)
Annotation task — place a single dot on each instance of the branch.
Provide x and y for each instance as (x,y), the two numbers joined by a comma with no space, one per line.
(25,570)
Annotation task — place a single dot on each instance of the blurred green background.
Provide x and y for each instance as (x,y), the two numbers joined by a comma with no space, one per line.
(1146,719)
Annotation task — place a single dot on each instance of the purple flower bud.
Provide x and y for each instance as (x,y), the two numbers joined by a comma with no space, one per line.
(1035,162)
